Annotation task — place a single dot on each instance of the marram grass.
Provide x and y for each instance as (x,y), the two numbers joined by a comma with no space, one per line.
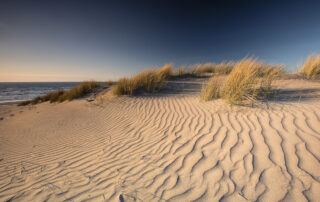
(149,80)
(197,70)
(62,95)
(248,80)
(311,67)
(212,89)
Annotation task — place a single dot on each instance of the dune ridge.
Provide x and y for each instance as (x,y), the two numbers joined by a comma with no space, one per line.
(161,148)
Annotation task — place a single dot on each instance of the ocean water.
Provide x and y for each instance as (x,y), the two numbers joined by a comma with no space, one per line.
(17,91)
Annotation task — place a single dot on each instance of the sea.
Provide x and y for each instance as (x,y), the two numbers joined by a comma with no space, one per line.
(18,91)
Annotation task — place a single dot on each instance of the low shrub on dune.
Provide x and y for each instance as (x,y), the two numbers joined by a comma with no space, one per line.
(149,80)
(311,67)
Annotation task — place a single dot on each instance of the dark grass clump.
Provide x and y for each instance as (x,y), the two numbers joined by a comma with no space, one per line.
(110,83)
(55,96)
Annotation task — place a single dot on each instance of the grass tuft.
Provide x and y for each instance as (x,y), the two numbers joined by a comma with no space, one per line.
(249,80)
(79,91)
(224,67)
(55,96)
(211,90)
(62,95)
(164,73)
(149,80)
(311,67)
(180,71)
(198,70)
(241,83)
(110,83)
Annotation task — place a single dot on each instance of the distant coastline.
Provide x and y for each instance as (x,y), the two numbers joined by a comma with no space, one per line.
(15,92)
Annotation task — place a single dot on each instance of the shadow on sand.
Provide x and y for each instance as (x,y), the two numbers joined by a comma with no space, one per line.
(296,95)
(191,86)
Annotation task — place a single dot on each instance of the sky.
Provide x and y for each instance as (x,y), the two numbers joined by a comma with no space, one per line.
(104,40)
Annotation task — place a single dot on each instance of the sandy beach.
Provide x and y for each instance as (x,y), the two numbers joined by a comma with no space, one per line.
(168,146)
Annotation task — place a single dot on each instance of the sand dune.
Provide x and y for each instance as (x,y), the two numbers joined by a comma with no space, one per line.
(164,147)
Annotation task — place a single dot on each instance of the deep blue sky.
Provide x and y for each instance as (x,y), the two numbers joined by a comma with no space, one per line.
(78,40)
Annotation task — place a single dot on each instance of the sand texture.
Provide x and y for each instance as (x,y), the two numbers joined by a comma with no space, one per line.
(164,147)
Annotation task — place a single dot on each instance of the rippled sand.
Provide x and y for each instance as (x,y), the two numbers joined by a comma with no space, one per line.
(164,147)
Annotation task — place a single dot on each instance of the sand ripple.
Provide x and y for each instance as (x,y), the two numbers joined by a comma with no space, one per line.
(166,148)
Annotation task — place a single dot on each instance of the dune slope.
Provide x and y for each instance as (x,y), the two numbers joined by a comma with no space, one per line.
(170,147)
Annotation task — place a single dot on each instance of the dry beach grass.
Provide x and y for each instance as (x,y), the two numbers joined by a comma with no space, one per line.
(164,147)
(311,67)
(62,95)
(212,89)
(149,80)
(248,80)
(168,146)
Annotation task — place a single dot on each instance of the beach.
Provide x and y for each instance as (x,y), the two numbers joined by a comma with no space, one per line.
(168,146)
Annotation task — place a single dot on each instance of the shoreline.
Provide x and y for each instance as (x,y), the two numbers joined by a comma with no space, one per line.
(12,102)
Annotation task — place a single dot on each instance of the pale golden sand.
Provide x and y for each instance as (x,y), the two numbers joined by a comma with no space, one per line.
(165,147)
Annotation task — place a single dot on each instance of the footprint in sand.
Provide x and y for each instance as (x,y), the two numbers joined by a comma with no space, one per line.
(127,197)
(121,198)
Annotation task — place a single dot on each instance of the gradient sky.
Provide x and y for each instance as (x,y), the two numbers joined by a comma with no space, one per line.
(80,40)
